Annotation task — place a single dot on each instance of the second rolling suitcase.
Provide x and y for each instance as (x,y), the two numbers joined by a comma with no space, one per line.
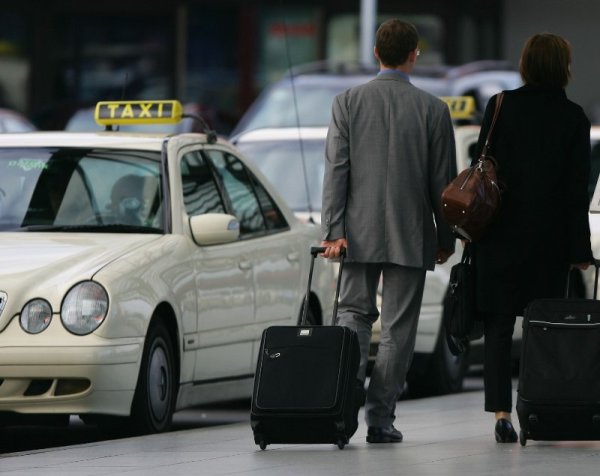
(306,388)
(559,380)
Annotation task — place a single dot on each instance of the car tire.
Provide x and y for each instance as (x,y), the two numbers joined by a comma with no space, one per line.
(154,399)
(312,317)
(444,373)
(577,284)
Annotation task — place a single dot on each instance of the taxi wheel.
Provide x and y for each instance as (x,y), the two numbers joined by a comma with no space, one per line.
(154,399)
(444,373)
(312,317)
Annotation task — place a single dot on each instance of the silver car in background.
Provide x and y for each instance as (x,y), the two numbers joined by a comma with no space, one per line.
(303,97)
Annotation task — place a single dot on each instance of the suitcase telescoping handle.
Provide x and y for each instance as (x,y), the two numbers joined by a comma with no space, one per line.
(596,263)
(314,252)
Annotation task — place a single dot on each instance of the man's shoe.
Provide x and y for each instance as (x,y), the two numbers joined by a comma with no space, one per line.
(387,434)
(505,432)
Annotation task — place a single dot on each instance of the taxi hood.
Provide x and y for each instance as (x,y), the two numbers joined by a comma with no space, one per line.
(47,264)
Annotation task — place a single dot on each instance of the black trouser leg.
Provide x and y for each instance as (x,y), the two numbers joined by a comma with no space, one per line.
(497,371)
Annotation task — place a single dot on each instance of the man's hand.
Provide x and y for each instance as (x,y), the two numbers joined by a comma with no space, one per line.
(334,248)
(581,266)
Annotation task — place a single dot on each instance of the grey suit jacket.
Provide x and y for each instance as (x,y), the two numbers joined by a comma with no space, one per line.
(390,152)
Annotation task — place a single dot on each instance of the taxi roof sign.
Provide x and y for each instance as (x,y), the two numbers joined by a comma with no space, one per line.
(114,113)
(461,107)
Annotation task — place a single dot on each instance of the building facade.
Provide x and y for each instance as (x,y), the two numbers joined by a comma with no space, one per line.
(60,55)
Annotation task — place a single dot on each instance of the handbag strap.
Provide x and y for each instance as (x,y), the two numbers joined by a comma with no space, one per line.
(486,146)
(467,253)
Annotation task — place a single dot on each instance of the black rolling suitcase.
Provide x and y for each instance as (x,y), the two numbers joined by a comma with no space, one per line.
(305,387)
(558,396)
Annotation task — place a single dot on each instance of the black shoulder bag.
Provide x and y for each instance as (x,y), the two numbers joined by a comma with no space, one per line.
(459,314)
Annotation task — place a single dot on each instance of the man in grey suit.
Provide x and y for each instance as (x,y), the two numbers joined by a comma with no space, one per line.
(390,152)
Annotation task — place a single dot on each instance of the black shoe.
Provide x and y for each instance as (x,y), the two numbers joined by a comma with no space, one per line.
(387,434)
(505,433)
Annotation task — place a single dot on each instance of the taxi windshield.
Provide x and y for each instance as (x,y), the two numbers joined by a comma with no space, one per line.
(79,190)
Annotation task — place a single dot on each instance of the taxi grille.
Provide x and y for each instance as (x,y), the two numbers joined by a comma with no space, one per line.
(43,387)
(38,387)
(3,298)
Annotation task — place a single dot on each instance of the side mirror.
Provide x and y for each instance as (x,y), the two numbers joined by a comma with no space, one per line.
(214,228)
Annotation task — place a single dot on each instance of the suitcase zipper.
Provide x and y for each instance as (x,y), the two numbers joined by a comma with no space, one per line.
(588,325)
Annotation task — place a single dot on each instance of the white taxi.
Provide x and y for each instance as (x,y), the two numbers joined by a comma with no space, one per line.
(138,271)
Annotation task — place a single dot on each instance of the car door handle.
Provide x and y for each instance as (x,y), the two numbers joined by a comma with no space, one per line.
(245,265)
(293,256)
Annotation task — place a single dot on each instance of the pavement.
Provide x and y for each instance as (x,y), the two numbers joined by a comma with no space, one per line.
(445,436)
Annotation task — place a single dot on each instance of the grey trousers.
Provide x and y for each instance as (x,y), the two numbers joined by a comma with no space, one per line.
(401,304)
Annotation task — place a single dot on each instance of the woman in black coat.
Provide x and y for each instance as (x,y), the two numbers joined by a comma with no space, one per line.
(541,142)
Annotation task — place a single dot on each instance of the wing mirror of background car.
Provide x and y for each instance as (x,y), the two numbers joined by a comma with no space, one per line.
(214,228)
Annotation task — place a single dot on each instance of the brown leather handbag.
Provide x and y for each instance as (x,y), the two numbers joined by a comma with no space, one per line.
(472,199)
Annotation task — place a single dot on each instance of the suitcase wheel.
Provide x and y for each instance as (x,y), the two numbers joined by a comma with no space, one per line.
(262,444)
(341,443)
(522,438)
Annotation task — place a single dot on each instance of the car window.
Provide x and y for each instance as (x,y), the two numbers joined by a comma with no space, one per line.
(281,162)
(249,201)
(200,192)
(71,189)
(236,184)
(273,217)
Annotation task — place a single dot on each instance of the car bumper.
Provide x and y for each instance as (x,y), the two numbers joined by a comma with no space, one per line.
(96,378)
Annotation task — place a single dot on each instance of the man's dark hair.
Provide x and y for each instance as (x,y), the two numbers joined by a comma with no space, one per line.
(394,40)
(546,61)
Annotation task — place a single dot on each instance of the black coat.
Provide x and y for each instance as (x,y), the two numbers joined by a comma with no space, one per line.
(541,142)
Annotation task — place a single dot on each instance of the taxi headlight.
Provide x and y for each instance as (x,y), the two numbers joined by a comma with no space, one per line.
(84,308)
(36,316)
